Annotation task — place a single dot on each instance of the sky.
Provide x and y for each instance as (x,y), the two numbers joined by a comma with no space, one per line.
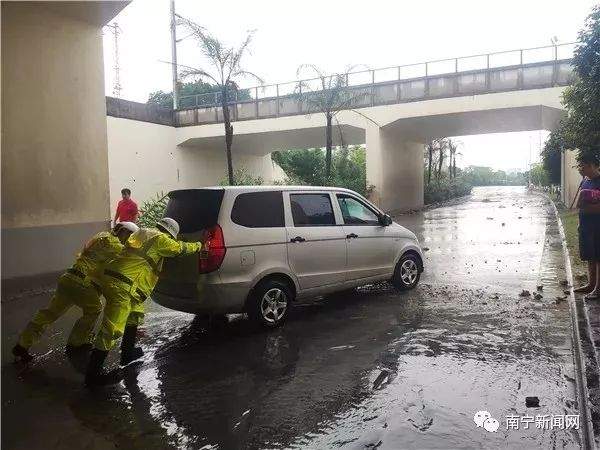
(334,34)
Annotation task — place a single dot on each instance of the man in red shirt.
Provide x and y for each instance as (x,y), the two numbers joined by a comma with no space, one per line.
(127,209)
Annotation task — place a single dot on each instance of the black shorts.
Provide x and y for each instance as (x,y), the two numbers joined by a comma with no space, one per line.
(589,242)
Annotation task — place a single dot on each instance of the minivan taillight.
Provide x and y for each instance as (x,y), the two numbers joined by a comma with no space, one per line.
(213,250)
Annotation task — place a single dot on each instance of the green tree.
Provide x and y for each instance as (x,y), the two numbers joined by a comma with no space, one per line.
(581,128)
(333,96)
(538,175)
(305,167)
(224,71)
(190,89)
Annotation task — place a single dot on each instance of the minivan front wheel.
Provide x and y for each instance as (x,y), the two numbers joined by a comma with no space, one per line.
(270,302)
(406,275)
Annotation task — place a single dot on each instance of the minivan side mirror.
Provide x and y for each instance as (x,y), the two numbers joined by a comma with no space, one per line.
(385,220)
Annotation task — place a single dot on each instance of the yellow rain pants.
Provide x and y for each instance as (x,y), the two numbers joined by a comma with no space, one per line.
(69,291)
(122,308)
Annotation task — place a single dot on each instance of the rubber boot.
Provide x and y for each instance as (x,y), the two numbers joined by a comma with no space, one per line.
(96,375)
(129,352)
(21,354)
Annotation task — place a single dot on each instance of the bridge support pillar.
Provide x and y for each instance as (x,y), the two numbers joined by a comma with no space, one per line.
(395,169)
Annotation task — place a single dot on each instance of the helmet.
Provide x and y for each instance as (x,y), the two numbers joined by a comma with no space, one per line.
(129,226)
(169,225)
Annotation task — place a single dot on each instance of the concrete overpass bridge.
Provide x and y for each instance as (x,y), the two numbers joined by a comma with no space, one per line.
(407,106)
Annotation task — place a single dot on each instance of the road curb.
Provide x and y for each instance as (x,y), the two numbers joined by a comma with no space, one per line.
(583,395)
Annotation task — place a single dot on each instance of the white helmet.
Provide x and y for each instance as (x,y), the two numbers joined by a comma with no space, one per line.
(169,225)
(129,226)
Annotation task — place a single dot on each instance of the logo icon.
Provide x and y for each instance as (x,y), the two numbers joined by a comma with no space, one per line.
(491,425)
(484,419)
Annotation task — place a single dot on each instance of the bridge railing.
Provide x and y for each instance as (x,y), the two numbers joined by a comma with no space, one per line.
(476,74)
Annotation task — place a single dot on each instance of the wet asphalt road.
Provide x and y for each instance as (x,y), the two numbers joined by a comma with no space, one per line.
(374,369)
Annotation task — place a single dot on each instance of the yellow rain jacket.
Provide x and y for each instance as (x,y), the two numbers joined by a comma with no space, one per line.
(138,266)
(75,288)
(99,250)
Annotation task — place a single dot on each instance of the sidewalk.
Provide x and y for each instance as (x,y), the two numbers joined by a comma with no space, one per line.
(591,317)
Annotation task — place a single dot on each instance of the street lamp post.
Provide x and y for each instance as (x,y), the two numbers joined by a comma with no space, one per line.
(174,56)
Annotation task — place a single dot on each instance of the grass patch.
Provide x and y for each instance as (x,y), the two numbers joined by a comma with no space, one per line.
(570,220)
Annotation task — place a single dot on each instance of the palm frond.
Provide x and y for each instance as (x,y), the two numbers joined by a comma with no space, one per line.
(247,74)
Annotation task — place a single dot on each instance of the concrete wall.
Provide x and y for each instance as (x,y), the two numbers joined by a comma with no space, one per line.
(145,158)
(54,159)
(570,177)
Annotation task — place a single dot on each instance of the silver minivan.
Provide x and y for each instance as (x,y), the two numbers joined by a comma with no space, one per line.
(269,245)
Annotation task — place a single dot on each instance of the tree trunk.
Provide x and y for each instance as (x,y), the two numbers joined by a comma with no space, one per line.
(454,167)
(328,147)
(439,173)
(228,134)
(430,150)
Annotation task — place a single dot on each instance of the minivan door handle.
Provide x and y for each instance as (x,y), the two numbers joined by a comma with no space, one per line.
(351,236)
(298,239)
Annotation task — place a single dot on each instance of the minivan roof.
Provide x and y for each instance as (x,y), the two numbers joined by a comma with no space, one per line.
(270,188)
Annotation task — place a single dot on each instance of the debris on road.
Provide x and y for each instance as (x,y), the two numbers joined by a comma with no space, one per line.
(532,402)
(342,347)
(537,296)
(525,293)
(540,287)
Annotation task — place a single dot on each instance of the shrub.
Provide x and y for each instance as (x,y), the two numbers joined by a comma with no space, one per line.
(446,189)
(241,177)
(153,210)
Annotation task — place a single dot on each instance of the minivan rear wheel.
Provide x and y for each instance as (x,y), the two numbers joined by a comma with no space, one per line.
(270,302)
(406,275)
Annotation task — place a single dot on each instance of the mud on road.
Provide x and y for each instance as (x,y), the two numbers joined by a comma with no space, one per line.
(370,369)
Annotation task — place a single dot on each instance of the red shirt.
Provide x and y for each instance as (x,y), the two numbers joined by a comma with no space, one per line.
(127,210)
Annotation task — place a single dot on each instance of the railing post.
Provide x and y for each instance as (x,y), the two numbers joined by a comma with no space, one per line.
(520,78)
(426,79)
(256,102)
(488,75)
(398,85)
(372,87)
(277,100)
(455,86)
(216,103)
(197,100)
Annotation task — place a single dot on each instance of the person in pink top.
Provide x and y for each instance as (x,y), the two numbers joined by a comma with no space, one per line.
(127,209)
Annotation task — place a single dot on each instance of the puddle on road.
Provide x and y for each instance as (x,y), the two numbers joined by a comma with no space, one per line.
(377,368)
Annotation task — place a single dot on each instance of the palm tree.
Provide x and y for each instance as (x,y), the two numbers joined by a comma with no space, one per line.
(430,150)
(224,71)
(452,147)
(333,96)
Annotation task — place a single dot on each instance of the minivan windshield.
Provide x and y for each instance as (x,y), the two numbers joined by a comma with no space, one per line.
(195,209)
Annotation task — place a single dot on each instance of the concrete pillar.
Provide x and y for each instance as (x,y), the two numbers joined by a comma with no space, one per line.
(54,150)
(395,169)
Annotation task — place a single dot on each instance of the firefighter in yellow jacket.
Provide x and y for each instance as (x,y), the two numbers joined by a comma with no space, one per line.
(127,281)
(77,286)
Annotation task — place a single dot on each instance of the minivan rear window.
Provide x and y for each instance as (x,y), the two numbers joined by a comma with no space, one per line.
(259,209)
(195,209)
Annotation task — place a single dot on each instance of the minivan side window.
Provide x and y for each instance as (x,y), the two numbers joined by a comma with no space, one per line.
(312,210)
(355,212)
(259,210)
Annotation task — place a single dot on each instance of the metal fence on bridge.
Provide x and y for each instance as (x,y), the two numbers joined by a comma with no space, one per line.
(478,74)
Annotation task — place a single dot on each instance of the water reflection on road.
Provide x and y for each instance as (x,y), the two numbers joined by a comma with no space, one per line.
(374,369)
